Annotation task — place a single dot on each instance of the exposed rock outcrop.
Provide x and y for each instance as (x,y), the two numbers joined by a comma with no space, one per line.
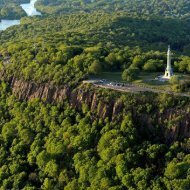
(172,123)
(27,91)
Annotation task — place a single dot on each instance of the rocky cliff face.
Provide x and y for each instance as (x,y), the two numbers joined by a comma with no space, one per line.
(173,123)
(28,90)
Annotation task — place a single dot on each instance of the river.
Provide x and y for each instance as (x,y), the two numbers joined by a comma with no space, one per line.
(28,8)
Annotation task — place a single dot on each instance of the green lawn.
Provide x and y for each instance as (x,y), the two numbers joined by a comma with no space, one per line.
(150,80)
(111,76)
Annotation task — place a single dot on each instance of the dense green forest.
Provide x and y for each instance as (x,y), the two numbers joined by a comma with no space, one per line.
(54,146)
(169,8)
(11,9)
(4,3)
(66,49)
(46,146)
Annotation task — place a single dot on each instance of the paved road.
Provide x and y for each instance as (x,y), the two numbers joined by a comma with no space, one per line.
(131,88)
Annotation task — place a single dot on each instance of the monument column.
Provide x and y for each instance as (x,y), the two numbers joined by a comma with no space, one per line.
(169,70)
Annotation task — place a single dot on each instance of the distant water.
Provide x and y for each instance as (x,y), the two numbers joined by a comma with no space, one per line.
(28,8)
(7,23)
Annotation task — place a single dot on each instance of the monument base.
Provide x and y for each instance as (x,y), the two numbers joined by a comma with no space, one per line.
(163,78)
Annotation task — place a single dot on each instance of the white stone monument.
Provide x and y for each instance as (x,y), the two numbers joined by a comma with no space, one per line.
(169,71)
